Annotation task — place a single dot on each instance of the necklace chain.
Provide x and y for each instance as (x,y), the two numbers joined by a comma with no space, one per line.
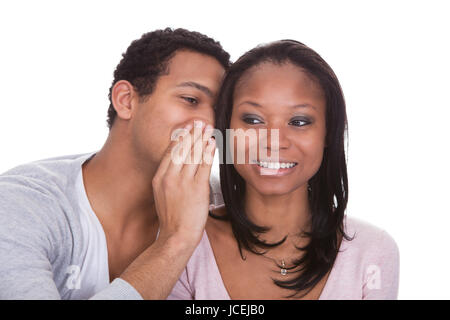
(283,270)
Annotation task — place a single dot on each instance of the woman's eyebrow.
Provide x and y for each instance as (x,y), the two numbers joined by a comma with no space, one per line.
(250,103)
(198,86)
(303,105)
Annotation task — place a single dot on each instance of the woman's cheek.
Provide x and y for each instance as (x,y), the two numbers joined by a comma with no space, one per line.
(245,148)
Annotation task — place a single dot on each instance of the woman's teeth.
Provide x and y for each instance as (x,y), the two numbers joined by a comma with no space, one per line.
(276,165)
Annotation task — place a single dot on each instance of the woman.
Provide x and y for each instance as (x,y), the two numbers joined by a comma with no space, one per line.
(283,232)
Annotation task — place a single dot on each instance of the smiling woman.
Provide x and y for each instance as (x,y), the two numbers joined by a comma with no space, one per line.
(283,232)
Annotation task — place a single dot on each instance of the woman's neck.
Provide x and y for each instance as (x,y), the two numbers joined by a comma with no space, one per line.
(287,214)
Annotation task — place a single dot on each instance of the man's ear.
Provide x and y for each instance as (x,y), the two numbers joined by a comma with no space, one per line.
(122,96)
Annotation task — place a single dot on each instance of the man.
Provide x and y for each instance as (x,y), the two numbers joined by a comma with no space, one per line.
(120,223)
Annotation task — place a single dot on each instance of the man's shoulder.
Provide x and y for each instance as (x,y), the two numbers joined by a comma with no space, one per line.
(39,190)
(48,167)
(45,175)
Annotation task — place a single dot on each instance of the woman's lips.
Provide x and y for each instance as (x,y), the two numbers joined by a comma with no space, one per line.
(276,169)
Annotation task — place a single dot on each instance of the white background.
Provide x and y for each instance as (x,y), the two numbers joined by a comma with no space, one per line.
(392,58)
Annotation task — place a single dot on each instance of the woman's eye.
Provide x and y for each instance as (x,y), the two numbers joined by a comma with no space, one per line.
(190,100)
(299,122)
(252,120)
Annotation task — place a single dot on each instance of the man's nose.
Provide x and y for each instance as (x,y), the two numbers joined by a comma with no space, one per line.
(200,120)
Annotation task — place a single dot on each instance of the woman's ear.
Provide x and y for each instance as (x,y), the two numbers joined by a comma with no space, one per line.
(121,96)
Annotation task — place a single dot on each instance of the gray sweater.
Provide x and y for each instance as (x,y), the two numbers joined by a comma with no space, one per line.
(40,232)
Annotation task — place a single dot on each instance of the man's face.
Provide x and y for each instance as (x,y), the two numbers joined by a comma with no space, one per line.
(185,94)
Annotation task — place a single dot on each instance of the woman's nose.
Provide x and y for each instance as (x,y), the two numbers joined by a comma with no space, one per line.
(276,139)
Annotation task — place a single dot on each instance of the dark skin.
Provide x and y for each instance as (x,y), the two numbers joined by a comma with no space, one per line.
(134,187)
(265,98)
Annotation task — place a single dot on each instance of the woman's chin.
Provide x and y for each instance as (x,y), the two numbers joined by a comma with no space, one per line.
(273,189)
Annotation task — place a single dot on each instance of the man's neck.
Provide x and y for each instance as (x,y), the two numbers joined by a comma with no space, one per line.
(119,190)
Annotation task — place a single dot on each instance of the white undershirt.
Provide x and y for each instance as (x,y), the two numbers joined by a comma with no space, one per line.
(94,271)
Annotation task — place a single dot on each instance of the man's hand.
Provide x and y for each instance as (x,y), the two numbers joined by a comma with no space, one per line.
(181,184)
(181,194)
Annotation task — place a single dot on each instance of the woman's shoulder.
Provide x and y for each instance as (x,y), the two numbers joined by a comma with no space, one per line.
(367,266)
(216,230)
(201,268)
(218,227)
(369,239)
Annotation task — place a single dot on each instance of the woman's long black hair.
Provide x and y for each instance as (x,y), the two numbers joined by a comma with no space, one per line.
(328,188)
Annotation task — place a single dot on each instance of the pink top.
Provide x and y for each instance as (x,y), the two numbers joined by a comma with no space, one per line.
(366,267)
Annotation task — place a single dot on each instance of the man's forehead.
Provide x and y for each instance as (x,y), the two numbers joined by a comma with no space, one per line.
(185,63)
(194,70)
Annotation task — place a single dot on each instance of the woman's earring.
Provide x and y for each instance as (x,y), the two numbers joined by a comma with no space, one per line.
(309,187)
(234,187)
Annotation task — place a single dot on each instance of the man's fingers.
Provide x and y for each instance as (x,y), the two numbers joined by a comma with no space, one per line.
(183,151)
(173,149)
(198,151)
(204,169)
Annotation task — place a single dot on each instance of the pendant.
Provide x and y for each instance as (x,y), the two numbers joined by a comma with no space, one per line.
(283,270)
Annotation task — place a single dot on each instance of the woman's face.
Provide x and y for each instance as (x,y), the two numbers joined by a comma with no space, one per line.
(279,96)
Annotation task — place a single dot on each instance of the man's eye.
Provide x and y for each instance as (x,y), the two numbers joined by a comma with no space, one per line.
(299,122)
(251,120)
(190,100)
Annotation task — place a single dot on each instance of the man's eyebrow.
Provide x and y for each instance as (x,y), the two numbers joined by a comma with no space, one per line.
(303,105)
(198,86)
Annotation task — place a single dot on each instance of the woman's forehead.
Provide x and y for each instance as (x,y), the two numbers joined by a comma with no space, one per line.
(271,81)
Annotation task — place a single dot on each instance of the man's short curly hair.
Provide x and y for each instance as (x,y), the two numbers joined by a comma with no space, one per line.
(147,58)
